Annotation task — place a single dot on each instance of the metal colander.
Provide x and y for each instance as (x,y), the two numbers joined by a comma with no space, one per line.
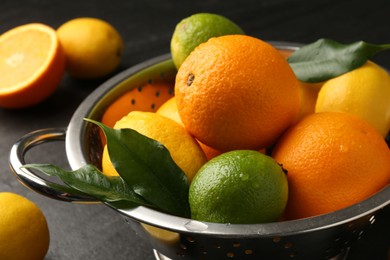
(327,236)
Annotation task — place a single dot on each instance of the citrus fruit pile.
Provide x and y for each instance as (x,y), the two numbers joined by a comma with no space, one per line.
(35,56)
(246,133)
(256,143)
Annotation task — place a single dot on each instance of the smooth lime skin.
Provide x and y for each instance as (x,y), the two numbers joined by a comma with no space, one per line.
(239,187)
(196,29)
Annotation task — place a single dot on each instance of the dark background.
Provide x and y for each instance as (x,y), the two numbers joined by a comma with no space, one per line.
(97,232)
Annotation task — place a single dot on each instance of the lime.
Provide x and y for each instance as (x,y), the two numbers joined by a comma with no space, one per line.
(239,187)
(196,29)
(364,92)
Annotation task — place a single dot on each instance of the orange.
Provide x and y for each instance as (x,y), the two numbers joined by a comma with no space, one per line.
(333,160)
(169,109)
(236,92)
(31,65)
(308,93)
(308,96)
(144,98)
(209,151)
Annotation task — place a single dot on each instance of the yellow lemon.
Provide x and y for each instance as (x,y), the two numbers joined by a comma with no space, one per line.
(364,92)
(165,236)
(184,149)
(24,234)
(93,48)
(169,109)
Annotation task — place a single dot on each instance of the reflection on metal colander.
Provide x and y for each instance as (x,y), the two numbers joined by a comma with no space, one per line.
(329,243)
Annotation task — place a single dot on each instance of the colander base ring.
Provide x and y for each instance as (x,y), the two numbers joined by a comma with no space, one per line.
(341,256)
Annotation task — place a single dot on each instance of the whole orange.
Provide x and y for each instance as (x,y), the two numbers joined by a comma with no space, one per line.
(333,160)
(236,92)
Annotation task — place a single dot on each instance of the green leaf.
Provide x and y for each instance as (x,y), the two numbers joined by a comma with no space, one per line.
(326,59)
(148,168)
(89,180)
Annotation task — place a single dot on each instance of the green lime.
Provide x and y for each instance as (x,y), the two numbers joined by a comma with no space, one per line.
(196,29)
(239,187)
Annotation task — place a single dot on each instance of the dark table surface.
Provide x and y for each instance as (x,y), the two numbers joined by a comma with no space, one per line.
(97,232)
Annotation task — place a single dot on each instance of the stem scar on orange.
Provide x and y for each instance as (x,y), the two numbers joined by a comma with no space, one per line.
(32,64)
(333,160)
(236,92)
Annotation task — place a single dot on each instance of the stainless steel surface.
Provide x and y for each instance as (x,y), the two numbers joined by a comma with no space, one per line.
(30,179)
(160,256)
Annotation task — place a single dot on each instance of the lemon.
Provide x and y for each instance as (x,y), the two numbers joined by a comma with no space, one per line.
(93,48)
(239,187)
(364,92)
(184,149)
(196,29)
(169,109)
(165,236)
(24,234)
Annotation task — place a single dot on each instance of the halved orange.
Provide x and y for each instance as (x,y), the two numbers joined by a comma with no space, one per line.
(148,97)
(32,64)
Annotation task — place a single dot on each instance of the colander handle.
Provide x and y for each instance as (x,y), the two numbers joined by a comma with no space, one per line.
(34,181)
